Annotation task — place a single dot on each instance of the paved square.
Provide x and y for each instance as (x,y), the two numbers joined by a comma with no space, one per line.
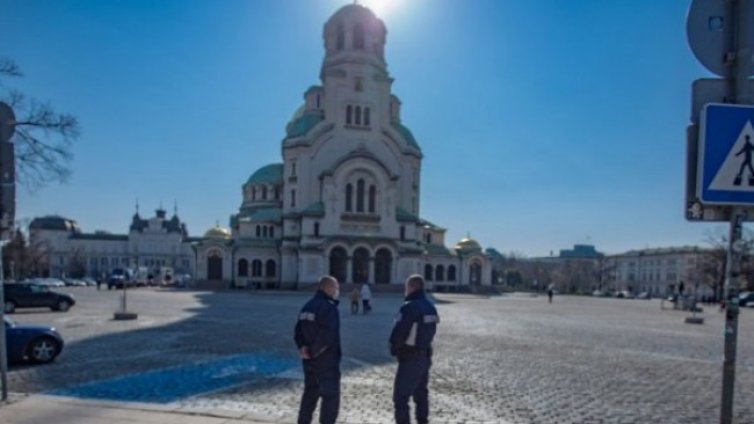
(509,359)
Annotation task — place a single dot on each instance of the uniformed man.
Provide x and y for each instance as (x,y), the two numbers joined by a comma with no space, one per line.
(318,340)
(411,344)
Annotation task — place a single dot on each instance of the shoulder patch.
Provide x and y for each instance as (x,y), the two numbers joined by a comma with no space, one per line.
(307,316)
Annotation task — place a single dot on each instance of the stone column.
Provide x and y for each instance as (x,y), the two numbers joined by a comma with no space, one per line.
(349,270)
(372,278)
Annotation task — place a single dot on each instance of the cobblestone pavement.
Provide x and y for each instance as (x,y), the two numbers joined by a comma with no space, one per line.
(510,359)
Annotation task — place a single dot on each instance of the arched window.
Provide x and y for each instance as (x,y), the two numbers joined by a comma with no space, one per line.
(372,198)
(270,268)
(277,193)
(253,193)
(439,273)
(451,273)
(428,272)
(357,115)
(340,39)
(259,231)
(358,36)
(360,196)
(349,113)
(349,197)
(403,233)
(366,116)
(264,193)
(272,232)
(243,268)
(316,229)
(256,268)
(264,231)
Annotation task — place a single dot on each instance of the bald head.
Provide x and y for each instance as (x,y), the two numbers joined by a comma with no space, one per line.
(329,285)
(414,283)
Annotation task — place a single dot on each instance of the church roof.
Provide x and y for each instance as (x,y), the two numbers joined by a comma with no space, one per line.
(54,222)
(301,125)
(314,210)
(405,216)
(438,250)
(407,135)
(267,215)
(217,232)
(270,174)
(100,237)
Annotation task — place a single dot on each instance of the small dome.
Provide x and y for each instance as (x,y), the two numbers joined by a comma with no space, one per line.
(468,244)
(217,232)
(54,223)
(270,174)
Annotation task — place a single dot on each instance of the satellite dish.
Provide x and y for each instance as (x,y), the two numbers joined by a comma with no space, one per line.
(7,122)
(708,29)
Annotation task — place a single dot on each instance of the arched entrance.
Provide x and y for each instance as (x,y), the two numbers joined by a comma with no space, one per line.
(383,265)
(361,265)
(214,266)
(475,274)
(339,263)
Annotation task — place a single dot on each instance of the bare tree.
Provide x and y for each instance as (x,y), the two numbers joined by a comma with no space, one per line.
(43,138)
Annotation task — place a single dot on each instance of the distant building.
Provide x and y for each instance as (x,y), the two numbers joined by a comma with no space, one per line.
(661,271)
(580,251)
(151,243)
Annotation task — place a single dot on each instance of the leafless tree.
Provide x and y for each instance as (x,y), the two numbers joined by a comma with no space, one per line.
(43,138)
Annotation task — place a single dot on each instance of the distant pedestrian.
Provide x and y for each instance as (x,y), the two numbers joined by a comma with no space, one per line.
(549,294)
(366,298)
(99,283)
(355,299)
(411,343)
(317,337)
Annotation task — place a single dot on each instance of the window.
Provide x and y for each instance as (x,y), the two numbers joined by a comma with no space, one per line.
(264,193)
(293,198)
(277,193)
(316,229)
(372,198)
(428,272)
(358,36)
(366,116)
(272,232)
(340,38)
(360,196)
(349,197)
(428,238)
(357,115)
(349,112)
(259,231)
(253,193)
(256,268)
(293,168)
(451,273)
(270,268)
(403,233)
(439,273)
(243,268)
(264,231)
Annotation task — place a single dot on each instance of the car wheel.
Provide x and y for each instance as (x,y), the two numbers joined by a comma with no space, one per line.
(10,306)
(43,350)
(63,306)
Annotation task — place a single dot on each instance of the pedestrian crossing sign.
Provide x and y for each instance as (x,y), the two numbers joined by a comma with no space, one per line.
(726,155)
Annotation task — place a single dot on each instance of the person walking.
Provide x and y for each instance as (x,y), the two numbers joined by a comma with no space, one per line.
(411,343)
(355,298)
(549,294)
(366,298)
(317,337)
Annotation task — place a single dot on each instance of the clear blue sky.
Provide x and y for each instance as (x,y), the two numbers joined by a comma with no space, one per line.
(543,123)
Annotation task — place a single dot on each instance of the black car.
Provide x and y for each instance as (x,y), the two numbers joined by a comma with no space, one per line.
(31,343)
(35,296)
(745,298)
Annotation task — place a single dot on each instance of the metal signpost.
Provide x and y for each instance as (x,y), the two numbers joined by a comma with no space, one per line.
(720,145)
(7,212)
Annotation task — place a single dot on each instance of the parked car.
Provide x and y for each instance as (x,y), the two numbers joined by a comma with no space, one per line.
(51,282)
(32,343)
(89,281)
(74,282)
(117,282)
(624,294)
(745,298)
(644,295)
(35,296)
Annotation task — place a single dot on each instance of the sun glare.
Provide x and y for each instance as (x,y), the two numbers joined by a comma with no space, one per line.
(381,8)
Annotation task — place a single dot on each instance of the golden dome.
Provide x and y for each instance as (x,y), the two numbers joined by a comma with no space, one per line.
(217,232)
(468,243)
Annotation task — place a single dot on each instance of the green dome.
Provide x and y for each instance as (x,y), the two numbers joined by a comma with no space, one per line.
(407,135)
(270,174)
(301,125)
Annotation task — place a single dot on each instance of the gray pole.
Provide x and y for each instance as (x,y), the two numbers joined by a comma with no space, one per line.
(738,59)
(3,348)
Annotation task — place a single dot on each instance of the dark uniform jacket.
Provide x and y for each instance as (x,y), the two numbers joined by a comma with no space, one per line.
(415,326)
(318,328)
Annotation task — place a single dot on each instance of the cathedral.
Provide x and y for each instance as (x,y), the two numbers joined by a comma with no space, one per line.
(345,200)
